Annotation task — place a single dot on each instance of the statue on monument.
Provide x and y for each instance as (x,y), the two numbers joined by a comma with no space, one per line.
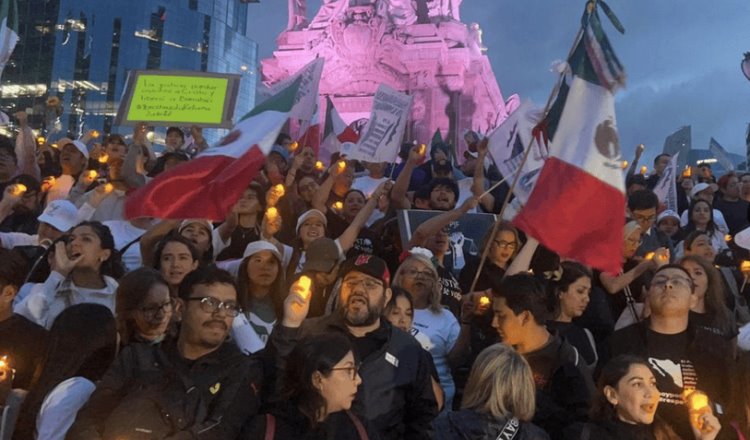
(297,15)
(399,12)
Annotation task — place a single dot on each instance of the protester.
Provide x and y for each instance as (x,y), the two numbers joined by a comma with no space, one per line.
(685,356)
(521,307)
(709,309)
(261,293)
(175,258)
(626,403)
(85,269)
(319,385)
(643,206)
(82,346)
(705,192)
(206,385)
(144,307)
(437,330)
(58,217)
(504,245)
(396,394)
(22,340)
(738,412)
(573,290)
(74,156)
(498,400)
(734,209)
(701,219)
(249,211)
(668,222)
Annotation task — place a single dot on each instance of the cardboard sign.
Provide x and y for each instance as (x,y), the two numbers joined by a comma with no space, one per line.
(383,134)
(179,98)
(466,234)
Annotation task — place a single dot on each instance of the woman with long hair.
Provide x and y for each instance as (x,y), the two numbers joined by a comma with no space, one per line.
(709,310)
(261,294)
(82,346)
(504,246)
(175,257)
(499,398)
(573,291)
(701,218)
(84,268)
(249,213)
(320,383)
(435,327)
(624,406)
(144,307)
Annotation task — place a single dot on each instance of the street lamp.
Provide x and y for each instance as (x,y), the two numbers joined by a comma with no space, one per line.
(745,65)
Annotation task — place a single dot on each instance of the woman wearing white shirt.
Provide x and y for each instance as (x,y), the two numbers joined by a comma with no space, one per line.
(434,326)
(82,346)
(83,270)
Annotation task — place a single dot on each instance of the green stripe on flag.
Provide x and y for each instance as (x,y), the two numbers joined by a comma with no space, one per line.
(9,10)
(281,102)
(328,128)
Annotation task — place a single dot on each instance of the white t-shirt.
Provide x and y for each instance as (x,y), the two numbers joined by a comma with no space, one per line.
(368,184)
(60,189)
(60,407)
(721,224)
(438,333)
(124,232)
(9,240)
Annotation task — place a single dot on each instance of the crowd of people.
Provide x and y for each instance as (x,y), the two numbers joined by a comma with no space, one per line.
(306,314)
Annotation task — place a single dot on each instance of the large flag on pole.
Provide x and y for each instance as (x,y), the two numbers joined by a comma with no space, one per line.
(381,137)
(577,207)
(209,185)
(8,31)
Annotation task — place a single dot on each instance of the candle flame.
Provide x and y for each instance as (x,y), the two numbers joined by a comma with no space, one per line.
(422,149)
(103,158)
(41,140)
(272,213)
(319,166)
(305,283)
(18,189)
(698,401)
(279,189)
(649,256)
(644,169)
(342,166)
(484,301)
(95,134)
(745,266)
(338,206)
(293,146)
(727,238)
(624,164)
(92,174)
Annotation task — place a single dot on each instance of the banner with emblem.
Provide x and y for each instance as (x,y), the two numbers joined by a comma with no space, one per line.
(381,137)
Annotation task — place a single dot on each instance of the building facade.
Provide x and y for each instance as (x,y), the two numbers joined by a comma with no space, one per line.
(84,50)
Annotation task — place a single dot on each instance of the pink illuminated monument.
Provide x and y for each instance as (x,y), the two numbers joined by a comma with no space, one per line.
(419,47)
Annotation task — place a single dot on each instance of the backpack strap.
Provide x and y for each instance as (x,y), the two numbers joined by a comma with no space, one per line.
(509,430)
(357,424)
(270,427)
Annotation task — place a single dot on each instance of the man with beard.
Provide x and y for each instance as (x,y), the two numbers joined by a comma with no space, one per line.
(396,393)
(197,386)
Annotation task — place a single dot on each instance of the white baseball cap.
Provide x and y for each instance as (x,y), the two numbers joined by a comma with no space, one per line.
(80,146)
(261,245)
(60,214)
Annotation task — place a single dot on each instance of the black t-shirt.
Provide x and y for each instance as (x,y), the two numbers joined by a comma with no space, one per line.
(369,343)
(702,320)
(366,242)
(575,336)
(674,373)
(24,343)
(451,292)
(735,213)
(618,301)
(241,237)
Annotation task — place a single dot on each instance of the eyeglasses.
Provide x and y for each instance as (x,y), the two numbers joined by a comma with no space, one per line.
(661,282)
(212,305)
(151,311)
(505,244)
(419,273)
(353,371)
(368,283)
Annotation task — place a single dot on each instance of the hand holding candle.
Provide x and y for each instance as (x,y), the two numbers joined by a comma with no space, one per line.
(304,283)
(103,158)
(340,166)
(338,206)
(274,194)
(319,166)
(18,189)
(293,146)
(644,169)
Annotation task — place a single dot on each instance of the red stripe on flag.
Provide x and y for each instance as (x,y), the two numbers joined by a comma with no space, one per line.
(576,215)
(206,187)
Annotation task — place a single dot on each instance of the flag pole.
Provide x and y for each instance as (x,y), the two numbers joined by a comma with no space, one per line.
(553,94)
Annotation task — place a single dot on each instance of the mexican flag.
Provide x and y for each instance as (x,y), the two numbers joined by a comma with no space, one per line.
(209,185)
(8,30)
(335,132)
(577,207)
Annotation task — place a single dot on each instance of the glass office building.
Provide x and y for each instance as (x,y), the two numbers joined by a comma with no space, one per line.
(82,50)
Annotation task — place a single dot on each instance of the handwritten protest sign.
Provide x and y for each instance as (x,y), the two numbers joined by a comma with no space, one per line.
(179,98)
(381,137)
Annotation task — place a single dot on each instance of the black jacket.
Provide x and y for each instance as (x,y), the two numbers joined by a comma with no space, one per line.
(396,391)
(290,423)
(470,425)
(209,398)
(610,430)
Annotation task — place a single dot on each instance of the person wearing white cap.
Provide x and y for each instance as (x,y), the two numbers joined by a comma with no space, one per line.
(705,191)
(74,156)
(58,217)
(261,293)
(668,222)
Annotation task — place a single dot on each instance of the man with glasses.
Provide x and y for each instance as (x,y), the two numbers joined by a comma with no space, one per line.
(396,393)
(642,207)
(194,387)
(684,357)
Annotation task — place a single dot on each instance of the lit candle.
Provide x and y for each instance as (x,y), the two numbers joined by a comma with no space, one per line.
(698,401)
(644,169)
(688,171)
(319,166)
(55,146)
(108,188)
(92,174)
(338,206)
(272,213)
(484,301)
(4,368)
(745,266)
(422,149)
(279,189)
(624,164)
(18,189)
(41,140)
(305,283)
(342,166)
(103,158)
(94,134)
(649,256)
(293,146)
(727,238)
